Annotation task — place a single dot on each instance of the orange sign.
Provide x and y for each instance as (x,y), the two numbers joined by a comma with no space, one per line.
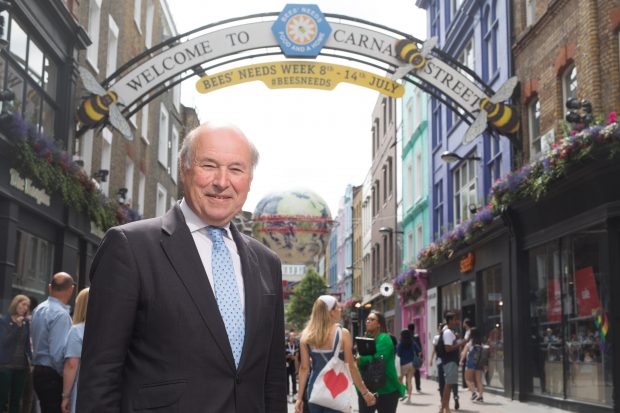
(467,262)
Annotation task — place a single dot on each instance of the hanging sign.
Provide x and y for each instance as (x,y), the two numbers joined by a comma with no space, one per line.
(467,262)
(300,74)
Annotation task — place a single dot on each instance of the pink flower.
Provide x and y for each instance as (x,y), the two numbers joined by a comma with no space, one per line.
(612,118)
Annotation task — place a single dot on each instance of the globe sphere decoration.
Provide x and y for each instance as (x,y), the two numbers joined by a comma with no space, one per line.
(295,224)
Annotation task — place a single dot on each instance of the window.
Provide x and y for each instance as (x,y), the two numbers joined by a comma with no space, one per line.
(160,204)
(112,46)
(409,120)
(176,96)
(530,12)
(569,83)
(419,237)
(34,259)
(455,5)
(141,191)
(419,99)
(148,32)
(495,157)
(385,186)
(491,25)
(410,248)
(385,118)
(464,185)
(390,176)
(409,187)
(467,56)
(137,13)
(32,75)
(145,123)
(417,187)
(435,18)
(162,153)
(569,289)
(174,165)
(492,324)
(94,18)
(533,116)
(436,135)
(438,209)
(106,156)
(129,168)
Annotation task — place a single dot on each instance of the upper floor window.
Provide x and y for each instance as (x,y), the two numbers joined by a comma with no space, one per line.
(569,83)
(408,120)
(455,5)
(490,41)
(137,13)
(437,125)
(419,176)
(530,12)
(112,46)
(148,32)
(162,153)
(435,18)
(467,57)
(385,117)
(465,194)
(495,157)
(533,117)
(438,208)
(33,76)
(94,18)
(409,187)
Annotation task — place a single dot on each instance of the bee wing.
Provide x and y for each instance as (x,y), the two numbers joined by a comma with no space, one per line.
(119,122)
(429,45)
(90,82)
(401,71)
(476,128)
(505,91)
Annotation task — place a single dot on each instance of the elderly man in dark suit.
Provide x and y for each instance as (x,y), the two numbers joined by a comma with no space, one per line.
(185,312)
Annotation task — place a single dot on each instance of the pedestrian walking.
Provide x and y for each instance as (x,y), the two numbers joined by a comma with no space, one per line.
(319,340)
(408,351)
(51,323)
(392,390)
(15,353)
(185,311)
(73,353)
(292,365)
(441,380)
(471,360)
(416,374)
(448,348)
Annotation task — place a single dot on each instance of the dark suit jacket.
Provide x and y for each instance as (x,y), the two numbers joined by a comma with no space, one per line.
(154,338)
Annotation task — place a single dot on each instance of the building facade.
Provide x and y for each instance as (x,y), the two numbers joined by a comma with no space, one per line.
(477,35)
(415,211)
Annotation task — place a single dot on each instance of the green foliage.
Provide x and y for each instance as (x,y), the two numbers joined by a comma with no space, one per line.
(304,295)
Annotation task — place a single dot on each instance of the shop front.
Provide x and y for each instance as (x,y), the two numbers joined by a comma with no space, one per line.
(568,262)
(413,309)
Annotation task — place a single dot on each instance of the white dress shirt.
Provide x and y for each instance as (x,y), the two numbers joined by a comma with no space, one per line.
(205,246)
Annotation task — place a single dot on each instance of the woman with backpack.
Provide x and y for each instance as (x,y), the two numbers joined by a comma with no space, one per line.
(471,358)
(409,353)
(321,338)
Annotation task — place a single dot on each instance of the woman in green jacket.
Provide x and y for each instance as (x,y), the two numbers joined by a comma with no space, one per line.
(392,390)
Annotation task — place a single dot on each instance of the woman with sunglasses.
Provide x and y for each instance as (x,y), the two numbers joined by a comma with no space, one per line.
(318,341)
(392,390)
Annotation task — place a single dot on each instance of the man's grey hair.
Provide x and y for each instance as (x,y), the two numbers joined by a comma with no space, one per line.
(186,155)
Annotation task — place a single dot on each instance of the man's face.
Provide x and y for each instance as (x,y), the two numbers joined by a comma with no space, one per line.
(218,181)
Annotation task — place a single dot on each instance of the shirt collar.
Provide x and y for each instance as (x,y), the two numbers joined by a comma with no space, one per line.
(193,221)
(57,301)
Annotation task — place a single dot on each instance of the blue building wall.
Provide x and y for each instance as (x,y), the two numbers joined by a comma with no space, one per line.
(485,25)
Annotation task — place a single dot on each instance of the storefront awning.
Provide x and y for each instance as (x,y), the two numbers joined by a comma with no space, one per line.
(371,298)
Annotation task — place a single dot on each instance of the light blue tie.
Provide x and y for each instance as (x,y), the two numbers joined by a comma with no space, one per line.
(226,292)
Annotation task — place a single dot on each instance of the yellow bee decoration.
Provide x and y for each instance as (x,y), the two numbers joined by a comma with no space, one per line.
(415,58)
(101,105)
(500,116)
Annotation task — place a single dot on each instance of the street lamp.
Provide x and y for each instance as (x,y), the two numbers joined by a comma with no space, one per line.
(454,157)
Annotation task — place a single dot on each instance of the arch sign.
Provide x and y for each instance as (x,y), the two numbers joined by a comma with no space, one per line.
(302,31)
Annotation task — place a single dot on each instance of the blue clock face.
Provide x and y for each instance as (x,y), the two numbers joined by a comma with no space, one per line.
(301,30)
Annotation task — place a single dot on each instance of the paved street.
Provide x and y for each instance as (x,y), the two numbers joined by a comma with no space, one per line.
(428,402)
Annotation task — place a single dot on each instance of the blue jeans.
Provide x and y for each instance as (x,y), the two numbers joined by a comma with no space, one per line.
(315,408)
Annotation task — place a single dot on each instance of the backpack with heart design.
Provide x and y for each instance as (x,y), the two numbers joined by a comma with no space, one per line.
(333,386)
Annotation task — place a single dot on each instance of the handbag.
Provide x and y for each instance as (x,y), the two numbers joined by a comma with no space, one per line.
(373,374)
(333,385)
(417,361)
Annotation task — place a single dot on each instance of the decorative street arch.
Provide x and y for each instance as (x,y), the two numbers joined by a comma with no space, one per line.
(303,31)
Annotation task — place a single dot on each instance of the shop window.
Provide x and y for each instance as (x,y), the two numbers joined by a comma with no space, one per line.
(492,324)
(464,185)
(451,299)
(34,258)
(571,350)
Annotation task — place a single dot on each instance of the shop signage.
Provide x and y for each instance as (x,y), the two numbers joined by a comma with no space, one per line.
(301,30)
(467,263)
(300,74)
(25,185)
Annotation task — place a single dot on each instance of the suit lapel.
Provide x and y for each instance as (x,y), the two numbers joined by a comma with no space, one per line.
(180,248)
(253,291)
